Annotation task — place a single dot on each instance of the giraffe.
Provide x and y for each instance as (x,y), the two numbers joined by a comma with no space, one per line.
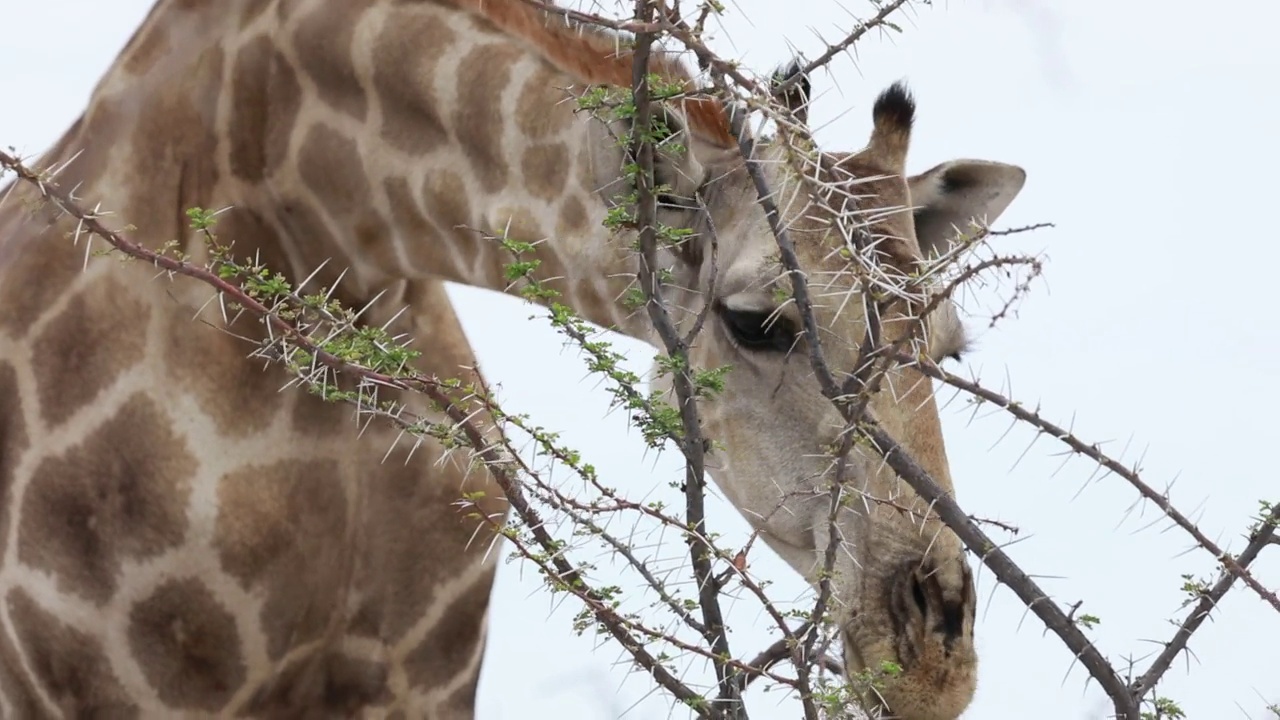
(179,537)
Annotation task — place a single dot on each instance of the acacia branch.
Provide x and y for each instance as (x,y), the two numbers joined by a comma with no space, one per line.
(880,19)
(1093,452)
(694,446)
(1263,536)
(781,650)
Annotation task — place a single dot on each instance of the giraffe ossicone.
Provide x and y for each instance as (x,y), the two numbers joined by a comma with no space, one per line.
(179,536)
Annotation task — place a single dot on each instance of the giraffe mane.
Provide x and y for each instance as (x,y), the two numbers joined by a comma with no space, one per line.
(597,56)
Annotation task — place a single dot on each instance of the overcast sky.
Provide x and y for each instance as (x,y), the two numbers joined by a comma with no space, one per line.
(1148,130)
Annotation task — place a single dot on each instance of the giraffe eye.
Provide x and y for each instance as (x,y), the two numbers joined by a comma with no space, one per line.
(759,331)
(676,202)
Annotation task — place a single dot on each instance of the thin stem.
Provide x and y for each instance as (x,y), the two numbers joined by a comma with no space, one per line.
(731,681)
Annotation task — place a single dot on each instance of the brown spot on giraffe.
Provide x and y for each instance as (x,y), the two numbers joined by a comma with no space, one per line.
(462,701)
(520,224)
(546,170)
(311,237)
(335,683)
(585,168)
(14,683)
(89,160)
(483,77)
(42,256)
(146,48)
(265,101)
(398,583)
(449,645)
(323,42)
(573,217)
(102,315)
(544,119)
(240,395)
(410,223)
(373,239)
(281,528)
(253,235)
(187,646)
(13,441)
(174,149)
(449,346)
(333,166)
(318,419)
(405,60)
(69,664)
(121,493)
(449,207)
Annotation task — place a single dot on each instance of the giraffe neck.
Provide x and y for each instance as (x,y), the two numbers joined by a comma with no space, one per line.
(382,140)
(428,133)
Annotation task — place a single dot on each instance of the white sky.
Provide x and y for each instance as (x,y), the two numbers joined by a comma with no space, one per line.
(1146,127)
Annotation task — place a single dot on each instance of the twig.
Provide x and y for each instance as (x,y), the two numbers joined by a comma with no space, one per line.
(694,447)
(781,650)
(631,26)
(1092,452)
(1264,535)
(787,249)
(879,19)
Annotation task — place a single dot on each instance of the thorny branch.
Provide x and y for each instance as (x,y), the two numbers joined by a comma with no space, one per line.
(1093,452)
(879,20)
(692,444)
(780,650)
(1264,535)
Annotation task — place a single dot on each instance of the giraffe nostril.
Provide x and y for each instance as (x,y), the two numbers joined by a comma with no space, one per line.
(952,624)
(953,602)
(943,608)
(917,594)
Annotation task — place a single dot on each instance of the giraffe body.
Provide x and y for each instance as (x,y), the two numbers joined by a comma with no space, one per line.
(178,535)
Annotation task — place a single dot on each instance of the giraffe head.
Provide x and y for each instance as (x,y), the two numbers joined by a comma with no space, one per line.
(903,589)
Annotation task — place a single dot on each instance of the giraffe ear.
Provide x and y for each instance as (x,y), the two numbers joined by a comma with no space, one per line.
(951,195)
(795,97)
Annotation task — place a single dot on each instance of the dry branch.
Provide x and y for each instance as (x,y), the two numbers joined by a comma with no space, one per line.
(1093,452)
